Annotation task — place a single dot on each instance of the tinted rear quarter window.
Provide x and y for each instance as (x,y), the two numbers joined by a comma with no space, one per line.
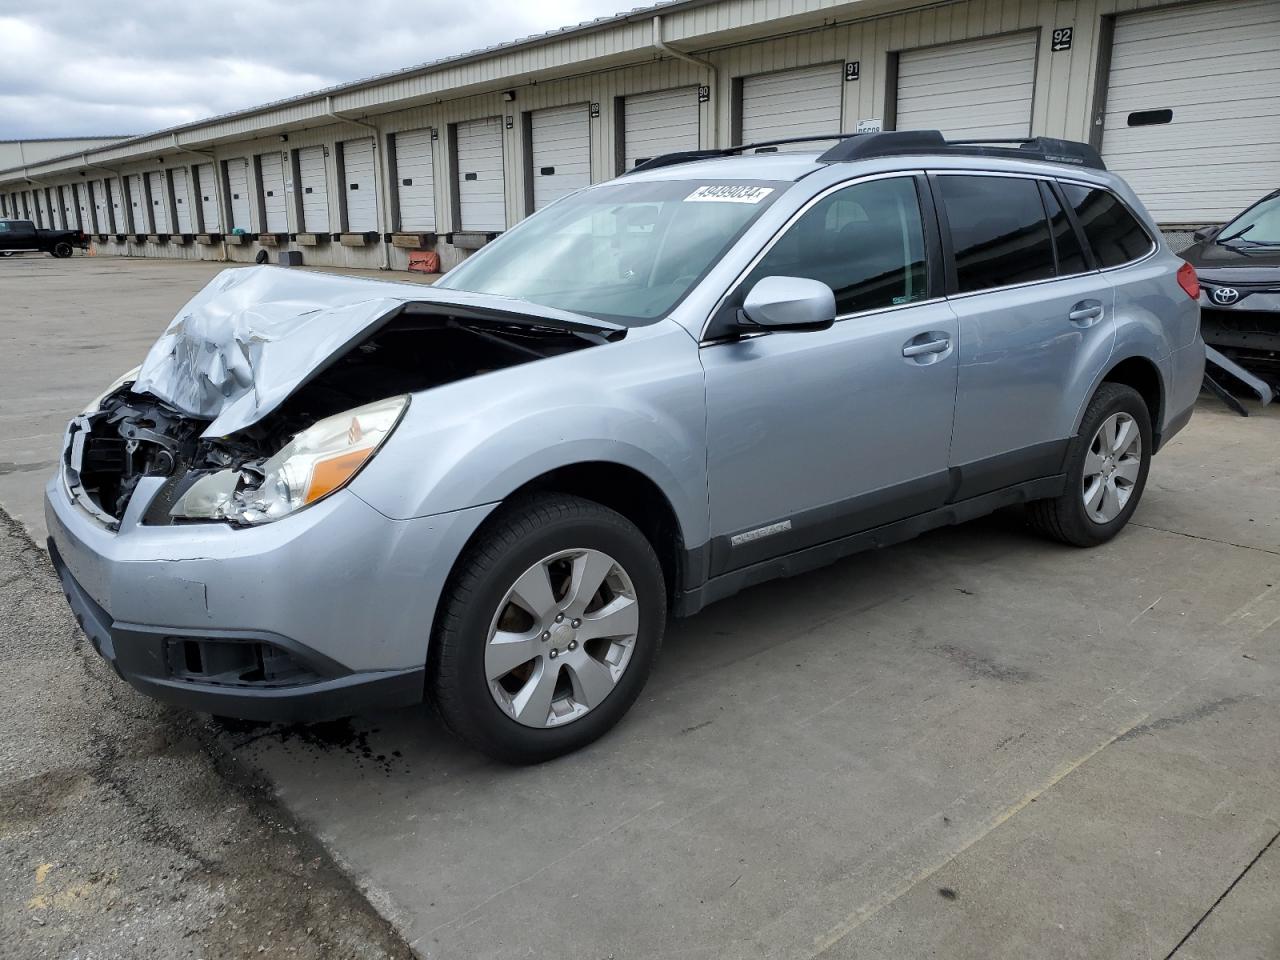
(999,233)
(1114,234)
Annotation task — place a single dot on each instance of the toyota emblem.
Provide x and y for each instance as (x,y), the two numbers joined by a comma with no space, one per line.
(1225,295)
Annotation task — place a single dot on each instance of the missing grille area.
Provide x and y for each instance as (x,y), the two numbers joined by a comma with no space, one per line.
(234,663)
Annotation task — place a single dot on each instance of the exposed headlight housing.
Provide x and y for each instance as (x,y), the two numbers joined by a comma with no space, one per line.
(116,384)
(317,462)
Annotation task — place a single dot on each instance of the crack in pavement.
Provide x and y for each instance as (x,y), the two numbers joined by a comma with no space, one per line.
(1196,536)
(1249,866)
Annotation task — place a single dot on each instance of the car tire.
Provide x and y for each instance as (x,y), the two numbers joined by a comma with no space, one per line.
(62,250)
(556,535)
(1104,485)
(6,253)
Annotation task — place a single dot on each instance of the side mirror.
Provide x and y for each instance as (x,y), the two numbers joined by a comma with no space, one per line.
(789,303)
(1205,233)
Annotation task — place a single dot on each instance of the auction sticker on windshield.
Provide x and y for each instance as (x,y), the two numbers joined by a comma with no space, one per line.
(728,193)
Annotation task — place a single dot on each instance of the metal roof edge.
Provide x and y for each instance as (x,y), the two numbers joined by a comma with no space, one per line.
(586,27)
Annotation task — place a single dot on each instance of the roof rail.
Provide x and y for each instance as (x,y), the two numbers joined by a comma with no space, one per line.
(904,142)
(897,143)
(685,156)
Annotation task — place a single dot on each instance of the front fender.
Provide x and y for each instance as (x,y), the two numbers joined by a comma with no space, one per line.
(639,403)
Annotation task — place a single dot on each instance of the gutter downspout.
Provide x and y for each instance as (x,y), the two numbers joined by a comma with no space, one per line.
(378,172)
(217,187)
(707,65)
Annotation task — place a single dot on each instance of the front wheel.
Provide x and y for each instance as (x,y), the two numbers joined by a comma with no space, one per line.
(548,628)
(62,250)
(1106,471)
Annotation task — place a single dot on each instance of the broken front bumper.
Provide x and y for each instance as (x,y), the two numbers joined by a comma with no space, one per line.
(321,614)
(1246,328)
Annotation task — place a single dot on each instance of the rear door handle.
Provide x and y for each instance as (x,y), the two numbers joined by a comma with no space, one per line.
(1085,313)
(914,349)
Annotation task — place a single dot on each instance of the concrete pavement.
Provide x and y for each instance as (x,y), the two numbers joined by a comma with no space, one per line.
(978,744)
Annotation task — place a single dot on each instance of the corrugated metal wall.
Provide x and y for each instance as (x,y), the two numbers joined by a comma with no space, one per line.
(741,38)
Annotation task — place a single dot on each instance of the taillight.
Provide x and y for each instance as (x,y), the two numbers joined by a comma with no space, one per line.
(1188,281)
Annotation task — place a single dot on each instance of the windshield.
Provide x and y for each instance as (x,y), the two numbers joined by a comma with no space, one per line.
(626,252)
(1261,224)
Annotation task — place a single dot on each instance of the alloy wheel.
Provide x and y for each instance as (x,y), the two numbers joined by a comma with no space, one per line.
(562,638)
(1111,467)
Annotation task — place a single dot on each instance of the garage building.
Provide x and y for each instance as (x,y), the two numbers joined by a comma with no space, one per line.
(1180,96)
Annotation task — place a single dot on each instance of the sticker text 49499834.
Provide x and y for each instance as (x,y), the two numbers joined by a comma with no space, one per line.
(728,193)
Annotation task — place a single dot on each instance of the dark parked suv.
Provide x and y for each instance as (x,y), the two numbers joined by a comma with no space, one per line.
(1239,269)
(17,236)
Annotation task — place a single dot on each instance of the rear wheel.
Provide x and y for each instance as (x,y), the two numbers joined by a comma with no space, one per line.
(62,249)
(1106,471)
(548,629)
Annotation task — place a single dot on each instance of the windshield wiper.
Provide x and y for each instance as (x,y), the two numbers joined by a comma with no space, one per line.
(1238,234)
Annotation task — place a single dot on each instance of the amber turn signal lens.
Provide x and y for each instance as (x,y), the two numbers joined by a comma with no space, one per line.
(330,474)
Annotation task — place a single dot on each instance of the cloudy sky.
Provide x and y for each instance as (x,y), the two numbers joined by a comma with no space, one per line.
(94,67)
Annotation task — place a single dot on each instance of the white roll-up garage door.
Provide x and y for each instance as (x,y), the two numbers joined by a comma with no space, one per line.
(792,103)
(238,188)
(102,206)
(139,215)
(658,123)
(1192,118)
(271,169)
(481,186)
(42,215)
(415,180)
(67,199)
(83,215)
(359,184)
(83,207)
(207,190)
(159,208)
(560,146)
(119,213)
(978,88)
(314,188)
(182,201)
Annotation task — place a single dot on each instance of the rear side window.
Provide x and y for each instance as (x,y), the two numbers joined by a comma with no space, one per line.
(1114,234)
(999,234)
(1065,241)
(866,242)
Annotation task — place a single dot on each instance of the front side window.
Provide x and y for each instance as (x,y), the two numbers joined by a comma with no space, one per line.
(627,251)
(999,234)
(1114,234)
(866,242)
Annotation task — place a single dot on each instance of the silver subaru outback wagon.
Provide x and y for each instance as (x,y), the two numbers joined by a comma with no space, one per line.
(320,495)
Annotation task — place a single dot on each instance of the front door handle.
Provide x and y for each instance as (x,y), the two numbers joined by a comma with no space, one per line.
(1086,313)
(918,348)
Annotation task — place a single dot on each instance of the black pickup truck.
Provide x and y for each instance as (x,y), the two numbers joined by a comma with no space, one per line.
(19,235)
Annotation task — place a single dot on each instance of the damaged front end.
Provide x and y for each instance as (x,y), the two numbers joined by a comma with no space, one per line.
(298,433)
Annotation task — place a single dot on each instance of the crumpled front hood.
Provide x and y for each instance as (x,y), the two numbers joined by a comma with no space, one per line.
(253,335)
